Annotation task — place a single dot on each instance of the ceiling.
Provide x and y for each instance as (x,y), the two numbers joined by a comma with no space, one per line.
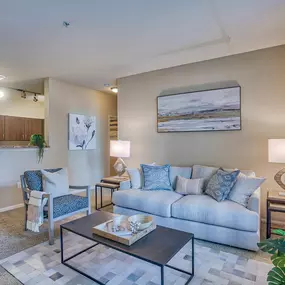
(109,39)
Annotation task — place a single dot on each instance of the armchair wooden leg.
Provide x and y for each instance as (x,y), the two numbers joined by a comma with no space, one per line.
(89,201)
(51,232)
(50,221)
(26,217)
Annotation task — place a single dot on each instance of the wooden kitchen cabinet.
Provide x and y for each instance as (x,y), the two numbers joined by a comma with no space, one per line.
(33,126)
(20,129)
(14,128)
(2,129)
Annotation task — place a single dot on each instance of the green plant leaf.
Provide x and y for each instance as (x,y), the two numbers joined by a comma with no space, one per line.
(279,232)
(276,276)
(39,141)
(278,260)
(273,246)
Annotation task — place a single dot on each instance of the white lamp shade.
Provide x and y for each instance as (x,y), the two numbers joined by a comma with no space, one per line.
(120,148)
(276,150)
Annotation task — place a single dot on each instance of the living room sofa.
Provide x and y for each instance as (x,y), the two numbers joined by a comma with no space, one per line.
(223,222)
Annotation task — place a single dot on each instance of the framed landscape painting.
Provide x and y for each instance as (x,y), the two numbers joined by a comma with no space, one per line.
(209,110)
(82,132)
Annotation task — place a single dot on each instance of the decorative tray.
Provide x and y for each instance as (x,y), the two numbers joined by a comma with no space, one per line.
(124,234)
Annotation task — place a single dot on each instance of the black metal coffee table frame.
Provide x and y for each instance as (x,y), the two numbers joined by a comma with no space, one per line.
(162,266)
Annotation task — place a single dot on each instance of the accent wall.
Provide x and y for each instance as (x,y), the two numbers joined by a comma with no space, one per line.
(261,77)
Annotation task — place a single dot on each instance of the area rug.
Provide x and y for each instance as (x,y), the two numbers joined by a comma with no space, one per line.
(41,265)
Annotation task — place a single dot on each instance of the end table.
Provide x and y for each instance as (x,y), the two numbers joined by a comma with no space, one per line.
(275,203)
(112,183)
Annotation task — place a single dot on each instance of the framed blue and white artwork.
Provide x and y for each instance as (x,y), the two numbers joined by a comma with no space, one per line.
(82,132)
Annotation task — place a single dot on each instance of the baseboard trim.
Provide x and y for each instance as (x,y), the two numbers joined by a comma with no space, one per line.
(278,223)
(11,207)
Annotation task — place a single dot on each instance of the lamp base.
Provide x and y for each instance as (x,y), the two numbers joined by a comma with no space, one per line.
(279,178)
(120,167)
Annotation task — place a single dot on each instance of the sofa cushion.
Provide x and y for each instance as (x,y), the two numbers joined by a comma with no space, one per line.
(206,172)
(204,209)
(154,202)
(221,183)
(186,186)
(244,188)
(56,183)
(67,204)
(156,177)
(176,171)
(135,177)
(33,178)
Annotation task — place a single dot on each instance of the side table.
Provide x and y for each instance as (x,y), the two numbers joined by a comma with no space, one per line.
(112,183)
(274,203)
(115,179)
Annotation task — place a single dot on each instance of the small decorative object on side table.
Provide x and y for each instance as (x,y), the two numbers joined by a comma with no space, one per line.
(275,203)
(112,183)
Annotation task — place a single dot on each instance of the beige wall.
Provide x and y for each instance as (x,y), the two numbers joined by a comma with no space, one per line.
(85,167)
(261,75)
(13,105)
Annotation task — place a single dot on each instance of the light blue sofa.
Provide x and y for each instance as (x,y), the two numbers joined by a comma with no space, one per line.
(223,222)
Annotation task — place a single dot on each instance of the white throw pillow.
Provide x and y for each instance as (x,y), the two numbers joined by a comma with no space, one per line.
(56,183)
(135,177)
(244,188)
(187,186)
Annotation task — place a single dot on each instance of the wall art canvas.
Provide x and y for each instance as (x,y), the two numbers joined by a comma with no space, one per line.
(82,132)
(210,110)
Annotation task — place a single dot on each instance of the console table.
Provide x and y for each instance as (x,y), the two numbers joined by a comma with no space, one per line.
(275,203)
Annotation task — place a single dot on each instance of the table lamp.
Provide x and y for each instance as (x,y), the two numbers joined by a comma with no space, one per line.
(120,149)
(276,153)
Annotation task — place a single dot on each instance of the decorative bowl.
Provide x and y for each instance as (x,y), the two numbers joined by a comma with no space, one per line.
(145,221)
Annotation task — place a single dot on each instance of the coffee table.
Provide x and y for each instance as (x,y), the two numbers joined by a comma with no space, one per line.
(158,247)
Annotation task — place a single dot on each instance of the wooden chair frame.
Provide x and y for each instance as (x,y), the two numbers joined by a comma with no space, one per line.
(51,220)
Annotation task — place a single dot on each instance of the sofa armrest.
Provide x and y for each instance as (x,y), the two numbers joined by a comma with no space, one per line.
(125,185)
(254,201)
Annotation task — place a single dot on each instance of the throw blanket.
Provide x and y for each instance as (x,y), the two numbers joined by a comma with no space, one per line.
(36,211)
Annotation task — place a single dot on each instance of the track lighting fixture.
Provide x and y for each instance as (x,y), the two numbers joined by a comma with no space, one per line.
(24,95)
(35,98)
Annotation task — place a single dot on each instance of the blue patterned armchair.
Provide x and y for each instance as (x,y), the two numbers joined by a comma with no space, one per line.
(57,208)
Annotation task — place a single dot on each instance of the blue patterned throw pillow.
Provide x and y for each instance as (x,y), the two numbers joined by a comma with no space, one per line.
(221,183)
(34,179)
(156,177)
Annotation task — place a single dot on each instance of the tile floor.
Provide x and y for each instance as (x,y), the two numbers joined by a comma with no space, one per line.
(41,265)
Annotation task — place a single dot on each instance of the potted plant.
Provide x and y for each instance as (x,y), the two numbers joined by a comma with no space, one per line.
(276,247)
(38,141)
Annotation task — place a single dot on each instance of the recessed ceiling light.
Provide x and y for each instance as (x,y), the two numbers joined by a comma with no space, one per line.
(1,94)
(115,89)
(2,77)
